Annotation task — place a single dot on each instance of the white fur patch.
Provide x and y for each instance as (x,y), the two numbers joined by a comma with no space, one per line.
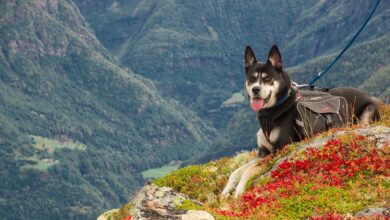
(249,172)
(366,117)
(275,133)
(235,177)
(266,90)
(249,88)
(263,141)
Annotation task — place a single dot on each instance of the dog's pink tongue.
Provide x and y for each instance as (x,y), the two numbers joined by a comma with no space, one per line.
(257,104)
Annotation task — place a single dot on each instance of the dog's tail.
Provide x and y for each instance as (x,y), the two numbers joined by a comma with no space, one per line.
(376,101)
(374,109)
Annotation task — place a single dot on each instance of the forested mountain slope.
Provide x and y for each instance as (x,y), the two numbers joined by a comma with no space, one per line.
(193,49)
(77,128)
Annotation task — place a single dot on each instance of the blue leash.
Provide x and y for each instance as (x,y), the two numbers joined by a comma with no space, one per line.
(321,73)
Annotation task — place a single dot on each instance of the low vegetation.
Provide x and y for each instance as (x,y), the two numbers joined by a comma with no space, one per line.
(42,143)
(43,152)
(340,178)
(161,171)
(203,182)
(345,176)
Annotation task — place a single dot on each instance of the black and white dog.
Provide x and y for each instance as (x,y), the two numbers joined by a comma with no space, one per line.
(273,97)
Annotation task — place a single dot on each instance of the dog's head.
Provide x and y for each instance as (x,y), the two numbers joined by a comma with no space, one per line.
(266,83)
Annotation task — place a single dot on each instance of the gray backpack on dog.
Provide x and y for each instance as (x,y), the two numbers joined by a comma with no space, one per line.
(320,111)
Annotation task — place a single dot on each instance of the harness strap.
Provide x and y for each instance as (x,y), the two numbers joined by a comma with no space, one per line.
(281,101)
(266,117)
(266,127)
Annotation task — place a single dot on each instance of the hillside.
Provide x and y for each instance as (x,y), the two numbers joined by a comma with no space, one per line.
(198,44)
(193,49)
(355,69)
(98,96)
(77,128)
(342,173)
(199,47)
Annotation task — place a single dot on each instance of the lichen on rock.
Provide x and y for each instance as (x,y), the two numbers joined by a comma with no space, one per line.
(153,202)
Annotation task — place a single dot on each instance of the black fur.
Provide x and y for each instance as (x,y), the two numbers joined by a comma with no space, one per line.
(282,116)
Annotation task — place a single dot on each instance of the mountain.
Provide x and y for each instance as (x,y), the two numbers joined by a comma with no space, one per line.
(199,48)
(240,135)
(77,128)
(92,93)
(193,49)
(357,68)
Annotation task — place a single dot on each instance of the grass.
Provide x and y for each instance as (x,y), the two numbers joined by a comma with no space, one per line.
(204,182)
(51,145)
(42,158)
(385,115)
(159,172)
(41,165)
(236,98)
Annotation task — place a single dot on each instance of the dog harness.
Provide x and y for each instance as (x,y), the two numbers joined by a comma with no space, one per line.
(320,111)
(267,116)
(316,112)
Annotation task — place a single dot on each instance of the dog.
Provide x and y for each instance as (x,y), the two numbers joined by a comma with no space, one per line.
(273,97)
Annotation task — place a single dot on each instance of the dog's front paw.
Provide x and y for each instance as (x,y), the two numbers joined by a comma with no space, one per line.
(226,192)
(263,152)
(239,191)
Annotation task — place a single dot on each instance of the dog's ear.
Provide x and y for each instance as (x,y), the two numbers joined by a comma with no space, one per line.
(249,58)
(275,58)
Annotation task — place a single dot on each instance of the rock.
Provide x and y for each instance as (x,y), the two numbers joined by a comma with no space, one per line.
(199,215)
(155,203)
(106,215)
(374,211)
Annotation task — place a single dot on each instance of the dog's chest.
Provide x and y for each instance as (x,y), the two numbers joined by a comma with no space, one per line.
(267,139)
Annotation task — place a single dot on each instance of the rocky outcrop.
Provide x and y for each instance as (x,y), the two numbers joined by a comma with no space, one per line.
(374,211)
(153,202)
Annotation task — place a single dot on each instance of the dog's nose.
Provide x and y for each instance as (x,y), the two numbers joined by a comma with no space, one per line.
(256,90)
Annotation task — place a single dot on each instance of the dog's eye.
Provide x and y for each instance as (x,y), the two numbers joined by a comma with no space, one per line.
(266,79)
(252,79)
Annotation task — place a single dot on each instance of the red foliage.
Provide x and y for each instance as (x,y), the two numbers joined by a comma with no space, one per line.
(127,217)
(333,165)
(328,216)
